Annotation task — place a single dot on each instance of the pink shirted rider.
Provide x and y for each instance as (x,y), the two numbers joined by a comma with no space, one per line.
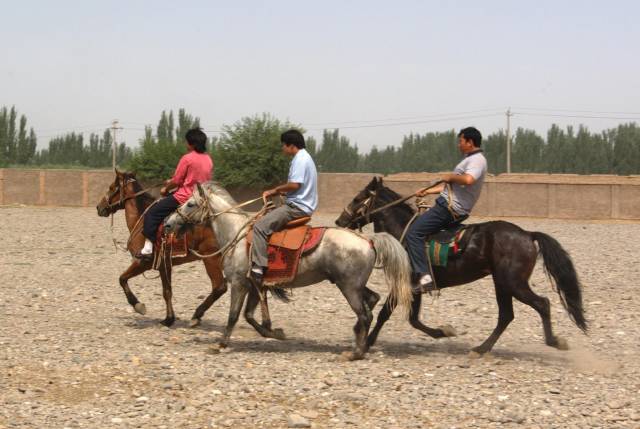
(194,167)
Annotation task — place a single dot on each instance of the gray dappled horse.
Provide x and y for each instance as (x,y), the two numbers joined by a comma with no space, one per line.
(342,257)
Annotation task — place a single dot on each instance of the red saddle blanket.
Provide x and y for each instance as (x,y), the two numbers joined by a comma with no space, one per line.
(284,254)
(173,243)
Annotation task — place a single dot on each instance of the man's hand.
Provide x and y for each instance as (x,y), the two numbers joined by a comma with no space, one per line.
(164,191)
(422,193)
(269,193)
(430,191)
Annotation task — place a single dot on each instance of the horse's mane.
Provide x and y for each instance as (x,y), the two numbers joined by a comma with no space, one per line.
(143,200)
(219,191)
(387,195)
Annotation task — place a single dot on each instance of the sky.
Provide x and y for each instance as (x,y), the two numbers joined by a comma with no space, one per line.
(378,70)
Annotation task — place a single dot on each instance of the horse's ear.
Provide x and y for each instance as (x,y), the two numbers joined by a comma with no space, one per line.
(200,189)
(118,172)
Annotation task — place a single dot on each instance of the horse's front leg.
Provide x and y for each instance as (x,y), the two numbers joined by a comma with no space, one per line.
(218,288)
(135,269)
(165,276)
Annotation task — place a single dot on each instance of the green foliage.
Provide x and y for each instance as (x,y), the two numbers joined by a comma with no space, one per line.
(249,152)
(336,153)
(17,146)
(70,149)
(626,149)
(158,155)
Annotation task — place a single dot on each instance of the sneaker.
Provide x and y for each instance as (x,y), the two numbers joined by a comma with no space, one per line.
(423,284)
(256,275)
(144,256)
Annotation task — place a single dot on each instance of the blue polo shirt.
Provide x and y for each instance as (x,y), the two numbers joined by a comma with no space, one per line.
(303,171)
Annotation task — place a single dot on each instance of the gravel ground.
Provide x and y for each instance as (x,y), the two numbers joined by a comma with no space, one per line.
(73,354)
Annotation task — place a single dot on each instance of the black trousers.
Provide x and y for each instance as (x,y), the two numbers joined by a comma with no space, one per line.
(156,215)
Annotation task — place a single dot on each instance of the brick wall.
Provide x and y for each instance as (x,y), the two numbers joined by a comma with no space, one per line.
(546,196)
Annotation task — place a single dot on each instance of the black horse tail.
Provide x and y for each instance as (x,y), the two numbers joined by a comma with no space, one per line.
(280,293)
(561,273)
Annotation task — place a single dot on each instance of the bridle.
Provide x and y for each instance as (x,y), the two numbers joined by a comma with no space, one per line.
(120,189)
(363,210)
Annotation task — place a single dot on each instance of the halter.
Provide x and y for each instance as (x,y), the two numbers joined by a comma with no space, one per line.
(363,210)
(121,190)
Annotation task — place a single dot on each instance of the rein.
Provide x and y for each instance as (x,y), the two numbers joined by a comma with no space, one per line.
(120,204)
(368,203)
(210,214)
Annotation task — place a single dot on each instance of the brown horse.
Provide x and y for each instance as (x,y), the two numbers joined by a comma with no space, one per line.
(126,193)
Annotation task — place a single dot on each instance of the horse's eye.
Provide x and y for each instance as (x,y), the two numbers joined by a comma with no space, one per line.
(190,204)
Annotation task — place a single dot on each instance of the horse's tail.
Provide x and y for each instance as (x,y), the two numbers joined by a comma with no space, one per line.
(560,270)
(280,294)
(394,260)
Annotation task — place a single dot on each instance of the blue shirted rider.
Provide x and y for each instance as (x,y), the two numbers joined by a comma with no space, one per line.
(301,192)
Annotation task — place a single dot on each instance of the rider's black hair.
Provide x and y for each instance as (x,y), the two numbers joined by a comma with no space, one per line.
(198,139)
(293,137)
(471,133)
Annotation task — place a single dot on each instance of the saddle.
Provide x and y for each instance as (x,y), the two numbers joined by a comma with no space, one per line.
(286,247)
(174,243)
(445,244)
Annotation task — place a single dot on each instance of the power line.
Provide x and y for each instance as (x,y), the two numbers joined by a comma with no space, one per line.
(427,121)
(576,111)
(435,115)
(556,115)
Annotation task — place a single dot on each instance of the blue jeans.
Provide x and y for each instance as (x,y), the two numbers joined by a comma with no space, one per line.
(433,220)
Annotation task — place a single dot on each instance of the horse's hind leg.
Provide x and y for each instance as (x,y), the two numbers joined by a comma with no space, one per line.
(505,316)
(263,329)
(355,298)
(135,269)
(238,293)
(218,288)
(524,294)
(371,298)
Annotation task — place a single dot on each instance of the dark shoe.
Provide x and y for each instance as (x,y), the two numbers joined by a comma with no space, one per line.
(256,278)
(144,257)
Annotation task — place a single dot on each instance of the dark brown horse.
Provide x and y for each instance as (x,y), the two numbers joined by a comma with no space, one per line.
(498,248)
(126,193)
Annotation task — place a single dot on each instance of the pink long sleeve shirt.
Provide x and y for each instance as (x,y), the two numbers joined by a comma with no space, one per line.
(193,168)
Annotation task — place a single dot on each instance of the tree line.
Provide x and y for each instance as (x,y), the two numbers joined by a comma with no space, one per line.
(247,153)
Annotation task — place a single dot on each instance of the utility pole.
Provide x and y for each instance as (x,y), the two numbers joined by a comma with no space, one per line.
(509,115)
(114,143)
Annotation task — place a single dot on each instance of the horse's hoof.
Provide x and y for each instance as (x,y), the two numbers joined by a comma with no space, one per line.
(562,344)
(168,322)
(351,356)
(448,331)
(140,308)
(278,334)
(194,322)
(476,353)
